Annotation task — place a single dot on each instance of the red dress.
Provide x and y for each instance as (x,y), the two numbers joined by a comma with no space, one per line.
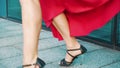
(84,16)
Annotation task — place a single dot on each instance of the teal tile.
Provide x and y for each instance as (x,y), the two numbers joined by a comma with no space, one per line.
(14,27)
(13,62)
(8,41)
(51,55)
(100,58)
(19,46)
(44,44)
(49,43)
(7,25)
(1,66)
(45,35)
(10,34)
(56,65)
(6,52)
(90,46)
(52,65)
(114,65)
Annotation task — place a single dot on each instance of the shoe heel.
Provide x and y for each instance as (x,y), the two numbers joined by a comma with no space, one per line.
(82,56)
(82,59)
(40,62)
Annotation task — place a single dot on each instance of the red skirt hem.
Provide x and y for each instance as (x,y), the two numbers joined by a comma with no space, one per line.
(83,23)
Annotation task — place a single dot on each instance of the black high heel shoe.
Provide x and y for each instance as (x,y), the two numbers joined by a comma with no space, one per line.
(39,63)
(66,63)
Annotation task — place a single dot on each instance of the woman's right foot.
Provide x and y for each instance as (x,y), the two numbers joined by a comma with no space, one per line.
(39,64)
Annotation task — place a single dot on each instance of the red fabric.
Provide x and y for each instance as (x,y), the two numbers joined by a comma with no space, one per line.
(84,16)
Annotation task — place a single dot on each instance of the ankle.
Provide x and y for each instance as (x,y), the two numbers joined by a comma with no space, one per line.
(29,67)
(29,60)
(73,46)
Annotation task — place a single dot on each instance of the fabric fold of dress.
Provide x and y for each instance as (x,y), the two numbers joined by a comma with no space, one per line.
(84,16)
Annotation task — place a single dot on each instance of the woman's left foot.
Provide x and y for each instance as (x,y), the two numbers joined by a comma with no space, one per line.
(72,54)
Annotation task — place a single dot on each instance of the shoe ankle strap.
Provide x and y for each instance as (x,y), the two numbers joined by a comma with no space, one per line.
(27,65)
(76,49)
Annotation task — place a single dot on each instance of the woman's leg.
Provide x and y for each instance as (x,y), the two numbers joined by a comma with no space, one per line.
(31,22)
(61,24)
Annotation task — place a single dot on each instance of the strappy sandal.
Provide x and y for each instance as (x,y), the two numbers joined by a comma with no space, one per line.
(66,63)
(39,63)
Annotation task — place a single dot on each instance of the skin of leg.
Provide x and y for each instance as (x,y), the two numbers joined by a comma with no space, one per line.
(31,23)
(61,24)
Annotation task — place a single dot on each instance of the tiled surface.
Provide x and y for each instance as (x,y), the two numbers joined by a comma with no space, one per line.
(51,50)
(6,52)
(115,65)
(10,33)
(45,35)
(8,41)
(100,58)
(51,42)
(1,66)
(52,55)
(12,62)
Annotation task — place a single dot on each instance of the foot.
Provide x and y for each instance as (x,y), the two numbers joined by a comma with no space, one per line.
(35,66)
(39,64)
(31,66)
(71,55)
(68,58)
